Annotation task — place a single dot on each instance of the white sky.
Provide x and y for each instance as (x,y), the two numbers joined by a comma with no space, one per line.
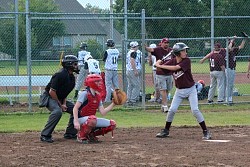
(104,4)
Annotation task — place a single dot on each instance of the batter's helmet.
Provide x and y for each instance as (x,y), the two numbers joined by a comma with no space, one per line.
(179,47)
(83,45)
(91,81)
(110,43)
(70,62)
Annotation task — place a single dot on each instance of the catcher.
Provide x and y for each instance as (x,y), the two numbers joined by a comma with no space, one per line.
(89,100)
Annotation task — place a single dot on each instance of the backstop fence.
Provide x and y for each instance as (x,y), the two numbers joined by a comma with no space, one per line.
(32,44)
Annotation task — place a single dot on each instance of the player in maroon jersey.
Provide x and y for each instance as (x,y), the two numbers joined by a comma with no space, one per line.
(185,88)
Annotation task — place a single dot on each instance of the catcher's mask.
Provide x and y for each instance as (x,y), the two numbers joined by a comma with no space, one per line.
(178,47)
(93,81)
(70,62)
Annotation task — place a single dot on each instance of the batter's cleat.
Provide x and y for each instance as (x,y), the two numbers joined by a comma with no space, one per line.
(206,135)
(46,139)
(164,133)
(69,136)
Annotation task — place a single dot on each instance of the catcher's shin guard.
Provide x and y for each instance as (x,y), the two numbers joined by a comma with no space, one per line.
(87,127)
(105,130)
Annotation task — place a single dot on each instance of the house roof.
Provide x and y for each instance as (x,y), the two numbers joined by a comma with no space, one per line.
(79,26)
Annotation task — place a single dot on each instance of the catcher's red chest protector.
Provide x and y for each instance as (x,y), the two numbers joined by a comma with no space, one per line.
(92,105)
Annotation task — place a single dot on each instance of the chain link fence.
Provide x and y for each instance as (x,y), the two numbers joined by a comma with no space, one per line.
(32,43)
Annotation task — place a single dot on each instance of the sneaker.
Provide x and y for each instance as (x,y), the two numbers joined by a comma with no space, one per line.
(210,101)
(69,136)
(164,133)
(164,109)
(46,139)
(206,135)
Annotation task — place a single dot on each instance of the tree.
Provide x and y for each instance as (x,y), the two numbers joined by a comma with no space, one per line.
(42,31)
(185,28)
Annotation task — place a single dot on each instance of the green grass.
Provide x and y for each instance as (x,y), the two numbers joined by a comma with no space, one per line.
(229,115)
(49,68)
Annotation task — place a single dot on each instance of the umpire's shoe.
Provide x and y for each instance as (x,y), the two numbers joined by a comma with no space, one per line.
(46,139)
(164,133)
(69,136)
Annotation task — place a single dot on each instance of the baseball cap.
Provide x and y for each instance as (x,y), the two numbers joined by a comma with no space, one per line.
(152,45)
(165,40)
(133,44)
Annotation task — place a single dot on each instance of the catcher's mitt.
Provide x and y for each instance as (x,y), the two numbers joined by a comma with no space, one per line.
(119,97)
(244,34)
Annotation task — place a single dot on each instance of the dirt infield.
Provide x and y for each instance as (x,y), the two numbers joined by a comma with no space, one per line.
(131,147)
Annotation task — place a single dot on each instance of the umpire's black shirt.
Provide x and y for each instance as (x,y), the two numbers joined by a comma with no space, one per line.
(62,82)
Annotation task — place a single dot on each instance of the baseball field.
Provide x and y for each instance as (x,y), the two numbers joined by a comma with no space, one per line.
(134,142)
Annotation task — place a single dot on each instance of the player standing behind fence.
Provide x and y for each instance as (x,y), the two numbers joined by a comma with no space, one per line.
(133,72)
(92,66)
(163,77)
(110,58)
(248,69)
(185,88)
(59,87)
(151,62)
(83,73)
(230,70)
(217,73)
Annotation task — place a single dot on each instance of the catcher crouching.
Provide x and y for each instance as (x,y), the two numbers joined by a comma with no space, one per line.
(85,120)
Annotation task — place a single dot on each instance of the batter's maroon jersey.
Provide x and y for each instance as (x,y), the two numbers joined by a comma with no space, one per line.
(216,60)
(183,77)
(159,53)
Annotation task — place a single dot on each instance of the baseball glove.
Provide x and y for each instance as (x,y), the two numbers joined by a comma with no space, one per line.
(244,34)
(119,97)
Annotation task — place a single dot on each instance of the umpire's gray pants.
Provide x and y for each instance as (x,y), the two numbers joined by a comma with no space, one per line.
(111,81)
(55,116)
(217,79)
(80,78)
(134,85)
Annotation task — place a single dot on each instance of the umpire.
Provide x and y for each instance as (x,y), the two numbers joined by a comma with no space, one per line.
(57,90)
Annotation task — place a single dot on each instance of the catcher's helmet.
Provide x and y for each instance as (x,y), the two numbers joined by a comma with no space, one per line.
(86,57)
(110,43)
(179,47)
(83,45)
(92,82)
(202,82)
(70,62)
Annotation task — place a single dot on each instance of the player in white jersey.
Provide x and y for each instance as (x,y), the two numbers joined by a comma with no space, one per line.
(111,66)
(83,73)
(92,65)
(133,67)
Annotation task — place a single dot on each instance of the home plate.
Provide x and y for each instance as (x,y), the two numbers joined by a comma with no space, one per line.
(218,141)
